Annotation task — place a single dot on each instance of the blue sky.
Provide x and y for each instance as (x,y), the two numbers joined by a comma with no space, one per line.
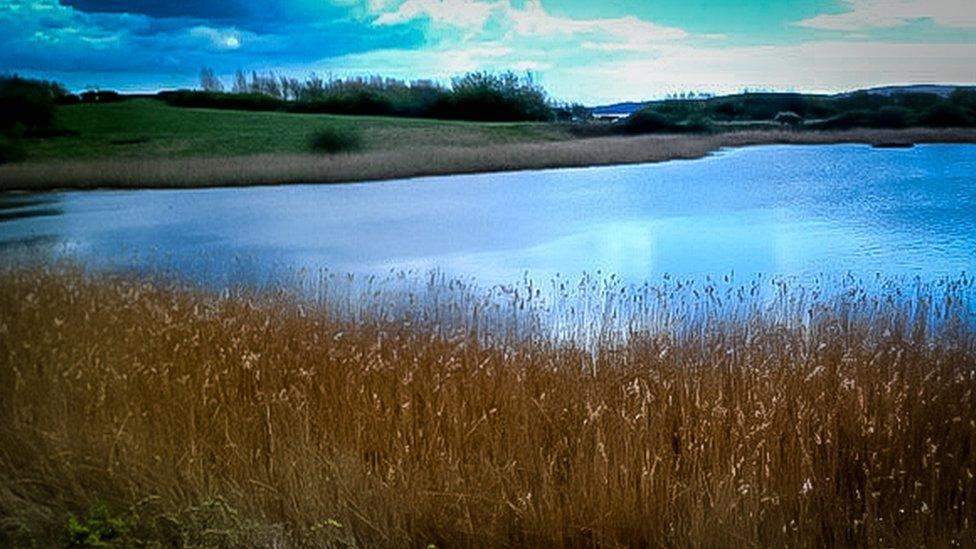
(579,49)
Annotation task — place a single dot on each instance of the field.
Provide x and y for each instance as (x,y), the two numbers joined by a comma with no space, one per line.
(145,143)
(146,128)
(134,410)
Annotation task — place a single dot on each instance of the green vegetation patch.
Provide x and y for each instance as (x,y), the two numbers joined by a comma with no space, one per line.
(815,112)
(148,128)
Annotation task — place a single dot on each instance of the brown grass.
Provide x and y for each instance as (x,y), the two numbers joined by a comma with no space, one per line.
(423,160)
(264,419)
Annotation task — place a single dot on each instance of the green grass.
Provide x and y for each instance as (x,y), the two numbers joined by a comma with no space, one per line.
(148,128)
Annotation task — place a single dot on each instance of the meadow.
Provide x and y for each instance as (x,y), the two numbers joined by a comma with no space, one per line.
(144,143)
(149,128)
(140,410)
(284,131)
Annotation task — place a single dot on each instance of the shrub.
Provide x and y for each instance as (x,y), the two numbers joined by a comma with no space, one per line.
(891,117)
(965,98)
(915,101)
(216,100)
(765,106)
(648,121)
(861,101)
(945,115)
(488,97)
(698,123)
(98,529)
(358,102)
(332,140)
(27,104)
(101,96)
(844,121)
(11,150)
(788,118)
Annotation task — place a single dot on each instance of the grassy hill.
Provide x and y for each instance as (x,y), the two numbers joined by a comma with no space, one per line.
(146,128)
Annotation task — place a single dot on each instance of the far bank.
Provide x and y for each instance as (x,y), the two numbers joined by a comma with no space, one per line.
(423,160)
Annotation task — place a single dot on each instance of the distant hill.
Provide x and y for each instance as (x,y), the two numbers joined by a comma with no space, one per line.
(618,109)
(888,91)
(943,90)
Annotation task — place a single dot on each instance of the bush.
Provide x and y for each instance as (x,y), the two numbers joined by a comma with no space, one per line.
(359,102)
(488,97)
(788,118)
(915,101)
(964,98)
(101,96)
(27,105)
(765,106)
(891,117)
(99,529)
(217,100)
(332,141)
(846,121)
(649,120)
(696,124)
(945,115)
(11,150)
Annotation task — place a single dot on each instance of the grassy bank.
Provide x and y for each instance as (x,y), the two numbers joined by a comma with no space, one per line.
(144,143)
(147,128)
(261,420)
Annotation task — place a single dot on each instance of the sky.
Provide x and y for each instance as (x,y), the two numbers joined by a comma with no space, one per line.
(580,50)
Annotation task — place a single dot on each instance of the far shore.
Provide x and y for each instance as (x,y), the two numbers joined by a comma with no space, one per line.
(279,169)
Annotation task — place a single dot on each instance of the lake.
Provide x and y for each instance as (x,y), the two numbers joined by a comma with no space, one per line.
(798,211)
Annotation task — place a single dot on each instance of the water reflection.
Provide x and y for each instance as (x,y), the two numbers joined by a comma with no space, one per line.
(792,211)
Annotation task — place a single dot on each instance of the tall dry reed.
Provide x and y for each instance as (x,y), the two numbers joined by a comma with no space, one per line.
(266,419)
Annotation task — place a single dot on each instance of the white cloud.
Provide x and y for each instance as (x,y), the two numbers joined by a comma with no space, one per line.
(533,20)
(866,14)
(529,21)
(470,14)
(569,73)
(813,66)
(222,39)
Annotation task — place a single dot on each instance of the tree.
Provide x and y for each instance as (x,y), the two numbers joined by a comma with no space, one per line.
(240,82)
(209,81)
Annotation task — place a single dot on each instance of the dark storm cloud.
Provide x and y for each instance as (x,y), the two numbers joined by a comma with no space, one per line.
(251,14)
(177,38)
(226,9)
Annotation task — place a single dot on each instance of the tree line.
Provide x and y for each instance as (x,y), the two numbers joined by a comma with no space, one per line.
(477,96)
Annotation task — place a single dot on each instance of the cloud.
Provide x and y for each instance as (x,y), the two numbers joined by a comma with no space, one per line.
(501,19)
(573,74)
(197,9)
(533,20)
(814,66)
(226,39)
(470,14)
(868,14)
(48,37)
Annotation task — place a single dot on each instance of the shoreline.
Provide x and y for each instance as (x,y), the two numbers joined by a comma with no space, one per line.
(425,161)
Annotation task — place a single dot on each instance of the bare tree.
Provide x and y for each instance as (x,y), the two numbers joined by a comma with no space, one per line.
(209,81)
(240,82)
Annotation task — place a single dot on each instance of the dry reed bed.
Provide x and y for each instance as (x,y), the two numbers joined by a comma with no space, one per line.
(855,426)
(423,160)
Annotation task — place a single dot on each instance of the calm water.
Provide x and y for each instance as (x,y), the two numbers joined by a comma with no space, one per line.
(779,210)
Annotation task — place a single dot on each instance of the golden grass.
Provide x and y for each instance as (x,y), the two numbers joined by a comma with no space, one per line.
(415,161)
(813,422)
